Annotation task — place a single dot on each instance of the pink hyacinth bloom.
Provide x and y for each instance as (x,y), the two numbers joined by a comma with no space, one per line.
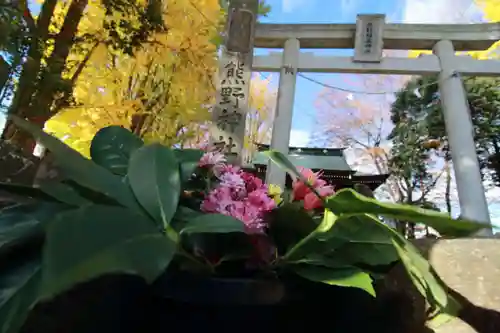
(242,196)
(260,199)
(211,159)
(252,182)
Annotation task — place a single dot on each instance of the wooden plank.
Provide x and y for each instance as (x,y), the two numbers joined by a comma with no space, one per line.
(309,63)
(424,65)
(228,128)
(369,41)
(472,67)
(465,37)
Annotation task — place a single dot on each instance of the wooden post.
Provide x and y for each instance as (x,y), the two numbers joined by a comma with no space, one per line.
(229,115)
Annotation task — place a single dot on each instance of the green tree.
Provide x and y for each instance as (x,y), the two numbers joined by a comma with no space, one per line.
(417,111)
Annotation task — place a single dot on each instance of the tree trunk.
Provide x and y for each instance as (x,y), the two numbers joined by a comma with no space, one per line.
(29,76)
(51,81)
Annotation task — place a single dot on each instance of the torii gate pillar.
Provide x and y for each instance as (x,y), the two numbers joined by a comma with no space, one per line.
(282,124)
(471,196)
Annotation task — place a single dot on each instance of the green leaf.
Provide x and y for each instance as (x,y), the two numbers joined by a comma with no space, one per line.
(188,161)
(329,261)
(182,217)
(19,224)
(24,192)
(421,272)
(112,147)
(81,170)
(213,223)
(364,240)
(347,201)
(318,241)
(86,243)
(63,193)
(19,290)
(343,277)
(154,176)
(288,224)
(443,316)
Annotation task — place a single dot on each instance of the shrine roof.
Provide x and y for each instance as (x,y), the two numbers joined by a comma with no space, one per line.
(312,158)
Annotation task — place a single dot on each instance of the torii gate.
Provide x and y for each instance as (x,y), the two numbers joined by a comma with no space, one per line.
(369,36)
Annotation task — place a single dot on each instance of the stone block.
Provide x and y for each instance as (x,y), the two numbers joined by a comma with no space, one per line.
(470,268)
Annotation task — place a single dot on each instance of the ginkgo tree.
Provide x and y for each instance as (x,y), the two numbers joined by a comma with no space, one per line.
(162,93)
(60,39)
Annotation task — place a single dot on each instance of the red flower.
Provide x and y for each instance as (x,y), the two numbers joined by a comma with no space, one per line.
(312,201)
(302,191)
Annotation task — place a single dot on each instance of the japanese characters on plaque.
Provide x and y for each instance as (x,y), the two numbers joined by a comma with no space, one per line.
(229,113)
(368,40)
(368,45)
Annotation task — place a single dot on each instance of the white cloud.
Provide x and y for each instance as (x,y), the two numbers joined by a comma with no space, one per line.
(440,11)
(289,5)
(299,138)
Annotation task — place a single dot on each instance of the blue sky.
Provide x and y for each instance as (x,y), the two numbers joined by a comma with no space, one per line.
(322,11)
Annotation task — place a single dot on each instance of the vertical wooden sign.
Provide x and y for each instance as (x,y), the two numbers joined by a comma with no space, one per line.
(229,114)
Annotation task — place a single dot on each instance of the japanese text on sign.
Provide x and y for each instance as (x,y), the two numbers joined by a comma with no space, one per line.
(228,114)
(368,42)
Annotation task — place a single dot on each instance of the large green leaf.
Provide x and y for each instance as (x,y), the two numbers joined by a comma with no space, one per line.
(422,274)
(94,240)
(17,225)
(81,170)
(213,223)
(19,292)
(353,239)
(344,277)
(63,193)
(153,174)
(24,222)
(112,147)
(288,224)
(318,241)
(347,201)
(188,161)
(23,192)
(365,241)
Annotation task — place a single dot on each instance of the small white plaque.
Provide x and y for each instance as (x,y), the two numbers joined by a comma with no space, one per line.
(369,42)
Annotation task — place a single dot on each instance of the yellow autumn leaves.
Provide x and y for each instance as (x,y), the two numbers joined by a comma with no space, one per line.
(170,78)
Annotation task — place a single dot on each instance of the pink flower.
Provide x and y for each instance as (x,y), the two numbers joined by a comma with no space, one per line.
(228,168)
(259,198)
(211,159)
(311,200)
(252,182)
(242,196)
